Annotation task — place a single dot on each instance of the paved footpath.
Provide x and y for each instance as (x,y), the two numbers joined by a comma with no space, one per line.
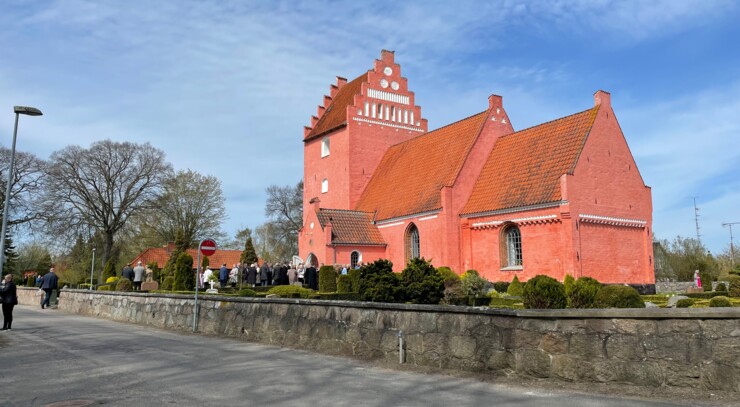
(51,356)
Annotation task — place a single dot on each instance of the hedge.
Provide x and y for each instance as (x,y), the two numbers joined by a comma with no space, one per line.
(618,296)
(327,279)
(706,295)
(720,301)
(290,291)
(543,292)
(734,286)
(684,303)
(344,284)
(340,296)
(583,292)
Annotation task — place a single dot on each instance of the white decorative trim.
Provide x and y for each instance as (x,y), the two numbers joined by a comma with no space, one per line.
(389,225)
(528,220)
(389,124)
(607,220)
(428,217)
(517,209)
(416,215)
(388,96)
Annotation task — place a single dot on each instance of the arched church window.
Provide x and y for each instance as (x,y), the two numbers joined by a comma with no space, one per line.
(412,247)
(511,248)
(325,147)
(355,258)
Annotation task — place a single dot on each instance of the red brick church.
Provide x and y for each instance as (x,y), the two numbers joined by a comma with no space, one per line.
(562,197)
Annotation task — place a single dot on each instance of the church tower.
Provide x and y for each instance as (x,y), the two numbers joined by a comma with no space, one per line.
(357,122)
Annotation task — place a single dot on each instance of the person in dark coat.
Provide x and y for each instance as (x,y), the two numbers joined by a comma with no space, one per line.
(48,285)
(223,275)
(265,276)
(9,299)
(128,273)
(251,275)
(312,278)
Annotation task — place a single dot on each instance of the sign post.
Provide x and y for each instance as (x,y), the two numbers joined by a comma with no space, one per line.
(207,247)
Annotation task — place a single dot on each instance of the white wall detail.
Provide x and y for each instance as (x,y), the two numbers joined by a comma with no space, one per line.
(388,96)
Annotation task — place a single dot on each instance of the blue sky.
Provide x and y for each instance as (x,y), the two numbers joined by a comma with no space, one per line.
(225,88)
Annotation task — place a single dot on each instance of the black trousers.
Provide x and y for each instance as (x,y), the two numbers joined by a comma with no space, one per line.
(7,315)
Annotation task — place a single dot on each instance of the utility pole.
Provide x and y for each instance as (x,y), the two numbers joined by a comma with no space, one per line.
(696,219)
(732,248)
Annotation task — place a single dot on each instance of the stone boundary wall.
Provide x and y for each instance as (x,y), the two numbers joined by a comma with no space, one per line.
(664,287)
(694,348)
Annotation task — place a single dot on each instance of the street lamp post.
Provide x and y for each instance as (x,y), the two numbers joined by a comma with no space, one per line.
(19,110)
(92,267)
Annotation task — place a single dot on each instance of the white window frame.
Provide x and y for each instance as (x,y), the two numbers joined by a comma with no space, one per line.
(325,185)
(325,147)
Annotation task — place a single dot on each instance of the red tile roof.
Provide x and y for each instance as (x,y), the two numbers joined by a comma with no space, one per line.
(162,254)
(351,227)
(525,167)
(411,174)
(335,115)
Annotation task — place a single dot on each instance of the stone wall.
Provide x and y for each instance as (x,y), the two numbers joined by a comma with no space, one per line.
(697,348)
(664,287)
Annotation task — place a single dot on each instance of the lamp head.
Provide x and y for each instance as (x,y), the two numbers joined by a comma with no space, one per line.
(27,110)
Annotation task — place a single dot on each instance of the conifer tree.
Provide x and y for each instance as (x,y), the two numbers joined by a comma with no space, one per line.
(184,277)
(249,255)
(11,257)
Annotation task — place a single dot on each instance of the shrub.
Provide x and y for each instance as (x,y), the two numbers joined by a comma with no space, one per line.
(103,288)
(184,276)
(720,287)
(112,280)
(83,287)
(327,279)
(340,296)
(501,286)
(422,283)
(344,284)
(684,303)
(705,295)
(94,281)
(543,292)
(504,303)
(720,301)
(618,296)
(291,291)
(124,284)
(734,286)
(110,269)
(354,276)
(582,292)
(30,281)
(247,292)
(568,284)
(168,283)
(473,284)
(449,277)
(156,271)
(516,288)
(379,283)
(706,280)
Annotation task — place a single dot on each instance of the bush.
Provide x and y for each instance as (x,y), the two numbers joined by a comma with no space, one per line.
(83,287)
(516,288)
(340,296)
(705,295)
(720,287)
(618,296)
(291,291)
(94,281)
(504,303)
(168,284)
(378,282)
(30,281)
(706,280)
(720,301)
(103,288)
(684,303)
(422,283)
(354,276)
(184,276)
(156,271)
(568,284)
(734,286)
(473,284)
(112,280)
(327,279)
(109,270)
(247,292)
(543,292)
(344,284)
(449,277)
(124,284)
(582,292)
(501,286)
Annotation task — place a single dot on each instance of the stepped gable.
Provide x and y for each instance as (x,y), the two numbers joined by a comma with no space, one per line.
(525,167)
(351,227)
(411,174)
(333,114)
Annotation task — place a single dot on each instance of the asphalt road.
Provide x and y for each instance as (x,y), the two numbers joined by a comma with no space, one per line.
(51,356)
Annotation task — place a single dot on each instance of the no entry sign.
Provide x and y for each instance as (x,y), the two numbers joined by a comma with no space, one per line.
(208,247)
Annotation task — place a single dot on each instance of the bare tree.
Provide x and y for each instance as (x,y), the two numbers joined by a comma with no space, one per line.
(27,184)
(277,239)
(192,203)
(101,187)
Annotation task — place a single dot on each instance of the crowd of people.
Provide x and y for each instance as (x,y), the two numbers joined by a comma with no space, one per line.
(253,275)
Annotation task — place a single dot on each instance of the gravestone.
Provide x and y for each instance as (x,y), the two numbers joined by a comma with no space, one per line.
(149,286)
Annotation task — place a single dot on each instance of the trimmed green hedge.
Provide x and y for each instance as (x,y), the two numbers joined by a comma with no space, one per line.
(344,284)
(618,296)
(684,303)
(104,288)
(583,292)
(247,292)
(706,295)
(734,288)
(340,296)
(354,276)
(327,279)
(168,283)
(501,286)
(290,291)
(505,303)
(543,292)
(720,301)
(515,288)
(124,284)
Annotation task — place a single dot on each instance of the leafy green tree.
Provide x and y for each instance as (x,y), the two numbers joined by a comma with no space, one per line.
(180,247)
(473,284)
(422,283)
(184,276)
(249,255)
(677,260)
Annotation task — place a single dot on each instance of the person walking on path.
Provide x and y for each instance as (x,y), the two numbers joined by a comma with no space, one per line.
(9,299)
(48,285)
(139,272)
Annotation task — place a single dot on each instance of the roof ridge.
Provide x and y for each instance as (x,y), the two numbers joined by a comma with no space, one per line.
(551,121)
(342,210)
(437,129)
(462,162)
(572,168)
